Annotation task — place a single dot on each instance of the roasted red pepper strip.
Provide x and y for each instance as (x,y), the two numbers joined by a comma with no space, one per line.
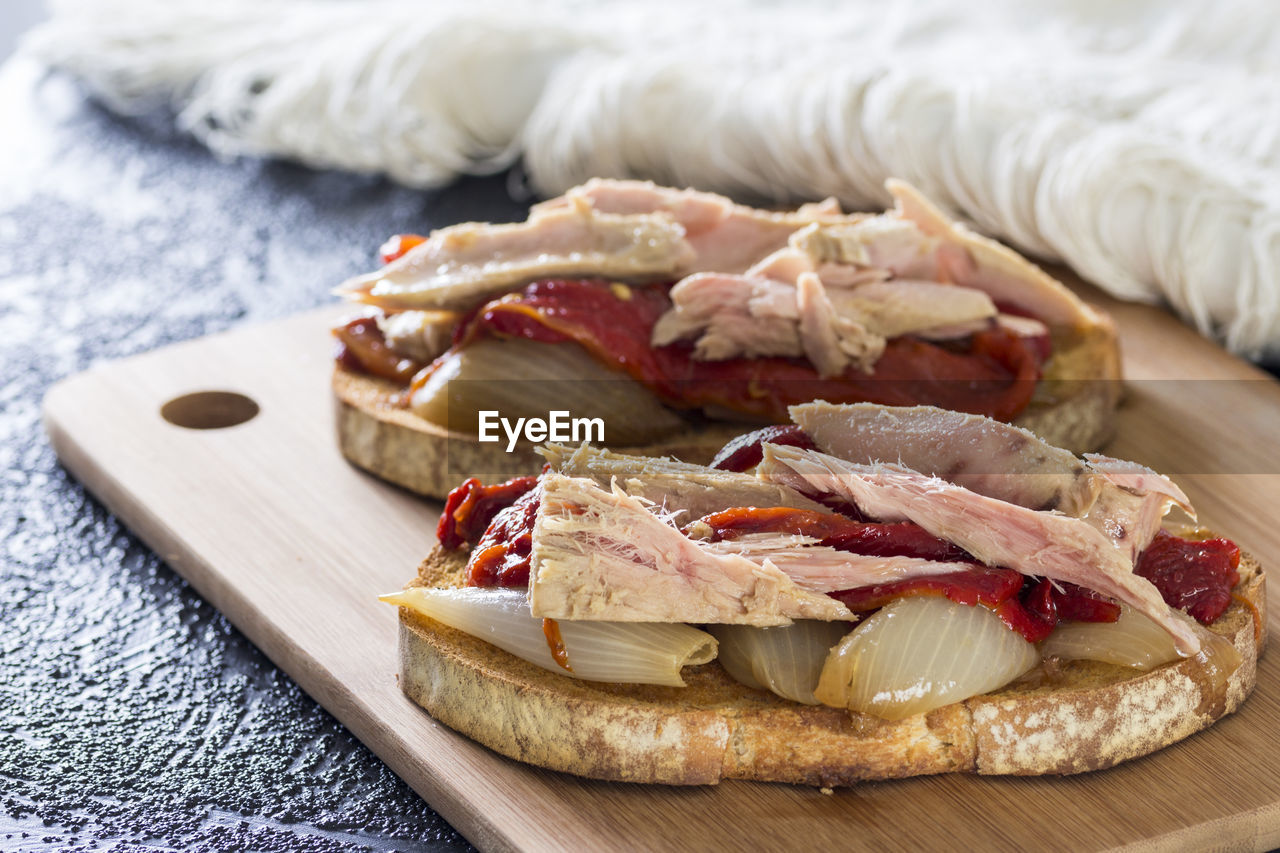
(995,375)
(996,589)
(364,349)
(470,508)
(872,539)
(1032,627)
(398,245)
(1195,576)
(747,450)
(501,557)
(1052,601)
(979,585)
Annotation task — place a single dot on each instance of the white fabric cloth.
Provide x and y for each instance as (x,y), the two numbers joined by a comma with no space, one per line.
(1139,142)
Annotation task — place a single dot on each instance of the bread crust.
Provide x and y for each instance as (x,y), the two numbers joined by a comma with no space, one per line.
(1087,716)
(1074,408)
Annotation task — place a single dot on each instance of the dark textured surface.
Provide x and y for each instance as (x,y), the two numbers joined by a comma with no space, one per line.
(132,716)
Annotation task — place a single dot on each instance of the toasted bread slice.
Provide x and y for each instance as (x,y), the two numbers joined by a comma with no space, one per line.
(391,442)
(1076,717)
(1074,408)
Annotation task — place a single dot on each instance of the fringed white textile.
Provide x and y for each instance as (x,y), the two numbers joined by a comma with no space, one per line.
(1139,142)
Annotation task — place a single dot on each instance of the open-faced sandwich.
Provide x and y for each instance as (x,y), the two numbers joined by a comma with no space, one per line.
(870,593)
(673,316)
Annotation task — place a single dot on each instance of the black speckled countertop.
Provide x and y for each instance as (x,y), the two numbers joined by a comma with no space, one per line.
(132,715)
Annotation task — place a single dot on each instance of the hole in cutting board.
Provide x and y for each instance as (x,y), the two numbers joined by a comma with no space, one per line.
(209,410)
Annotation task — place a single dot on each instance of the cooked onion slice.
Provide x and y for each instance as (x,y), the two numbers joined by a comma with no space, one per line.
(786,660)
(629,653)
(917,654)
(527,379)
(1132,640)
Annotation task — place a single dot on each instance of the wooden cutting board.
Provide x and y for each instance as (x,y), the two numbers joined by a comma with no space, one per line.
(268,522)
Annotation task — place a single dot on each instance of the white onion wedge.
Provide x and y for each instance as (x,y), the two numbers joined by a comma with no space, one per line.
(527,379)
(917,654)
(1132,640)
(786,660)
(629,653)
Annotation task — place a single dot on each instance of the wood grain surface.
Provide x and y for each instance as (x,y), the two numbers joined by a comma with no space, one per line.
(268,522)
